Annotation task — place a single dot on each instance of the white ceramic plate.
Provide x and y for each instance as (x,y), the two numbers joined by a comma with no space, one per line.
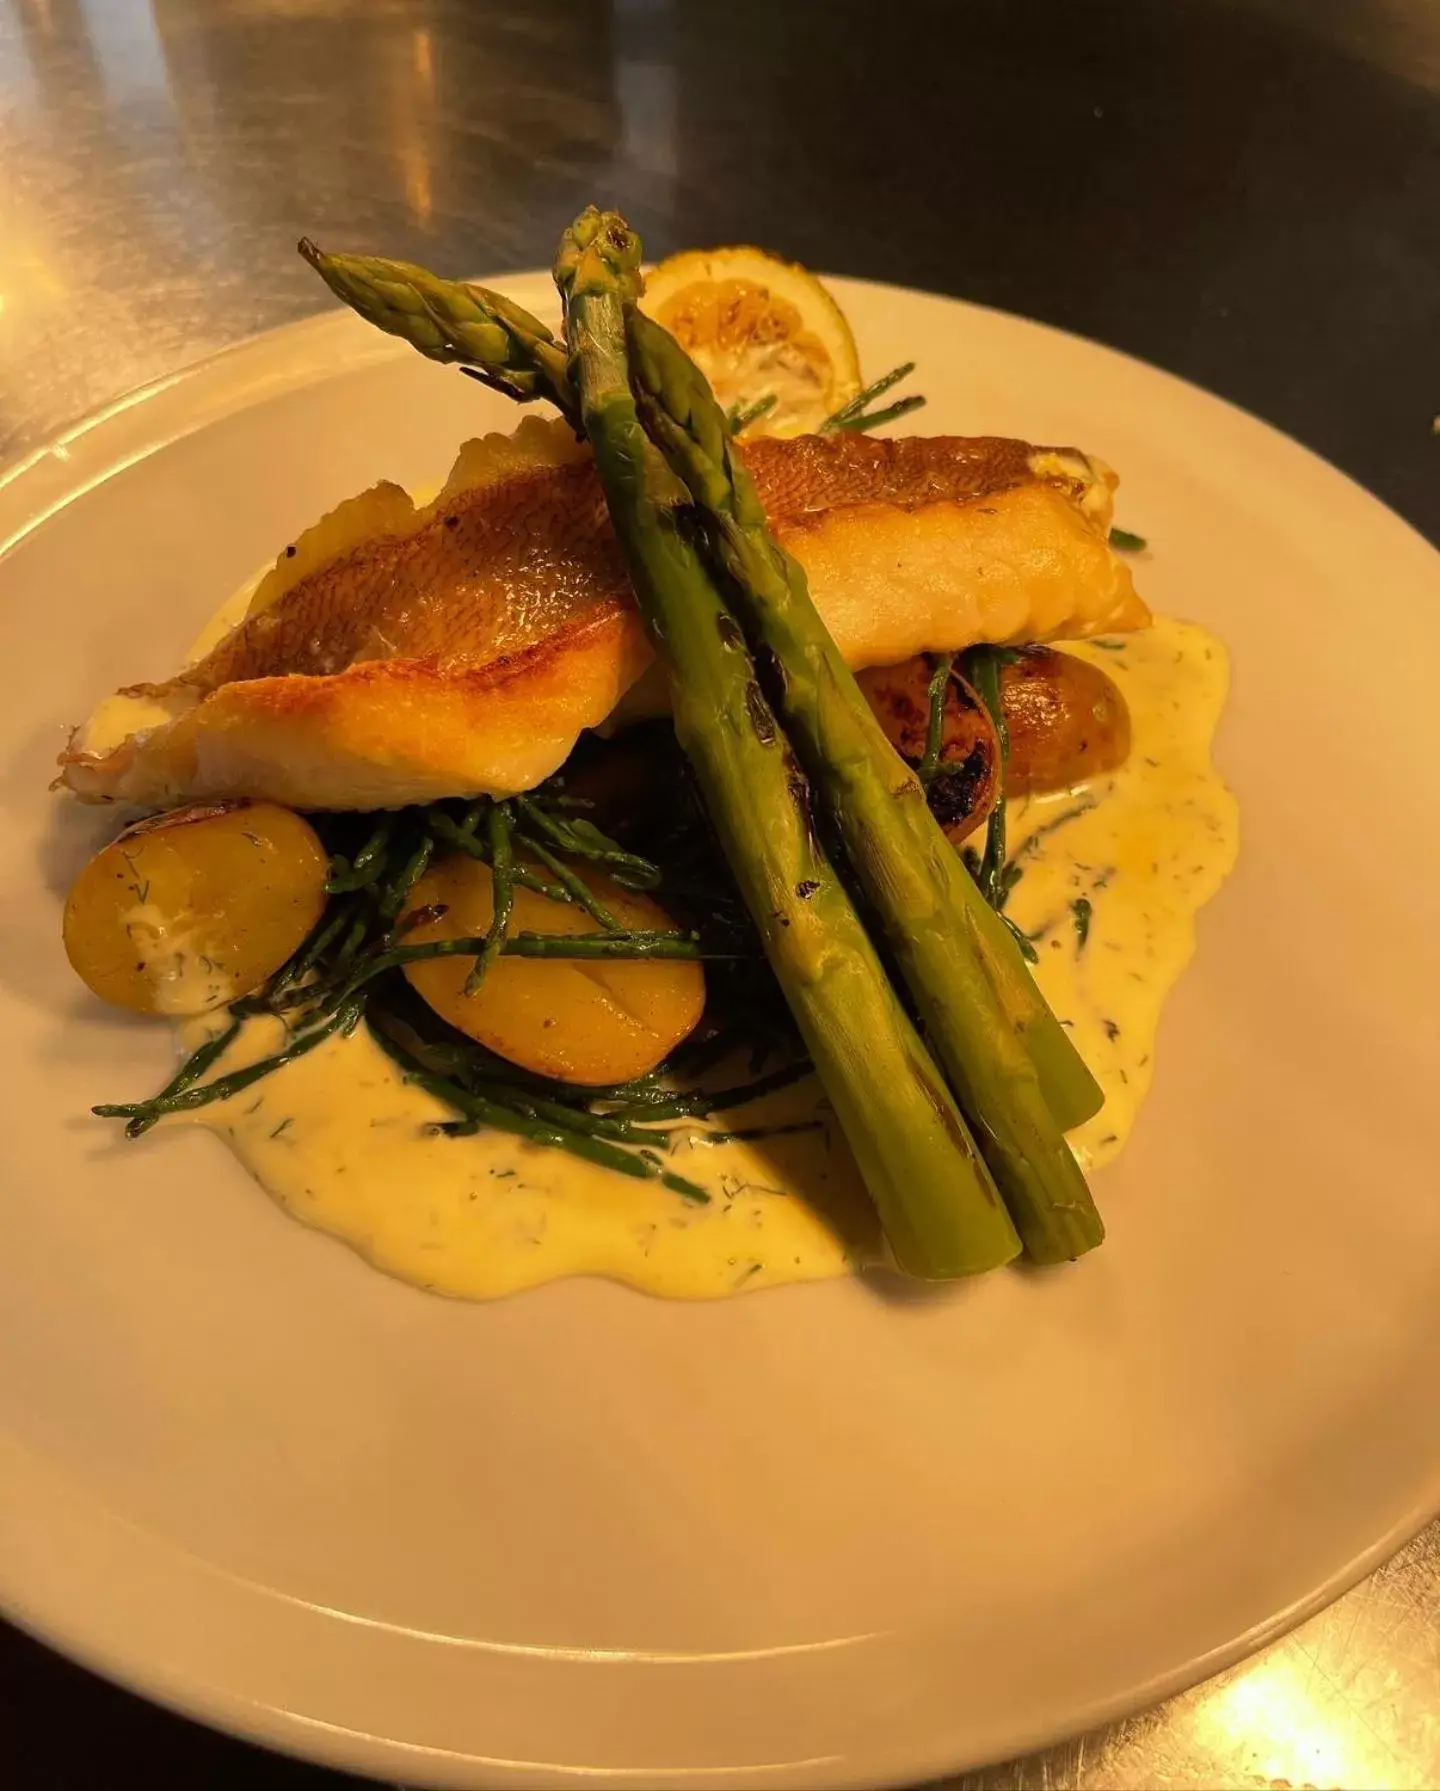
(815,1536)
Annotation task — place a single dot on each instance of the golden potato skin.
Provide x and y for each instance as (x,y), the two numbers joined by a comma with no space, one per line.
(962,791)
(193,909)
(589,1021)
(1066,719)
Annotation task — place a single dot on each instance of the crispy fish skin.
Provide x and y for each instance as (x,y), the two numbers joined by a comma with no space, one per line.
(395,655)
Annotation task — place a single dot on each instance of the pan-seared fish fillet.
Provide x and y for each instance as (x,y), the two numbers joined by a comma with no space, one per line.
(396,655)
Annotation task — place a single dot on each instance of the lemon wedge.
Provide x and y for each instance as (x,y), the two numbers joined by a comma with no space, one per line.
(758,327)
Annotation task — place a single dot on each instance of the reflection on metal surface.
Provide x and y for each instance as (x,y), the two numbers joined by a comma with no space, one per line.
(1283,1712)
(411,121)
(647,158)
(1394,34)
(129,58)
(160,157)
(1349,1702)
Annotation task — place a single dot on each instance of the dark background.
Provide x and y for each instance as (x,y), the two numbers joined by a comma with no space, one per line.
(1244,191)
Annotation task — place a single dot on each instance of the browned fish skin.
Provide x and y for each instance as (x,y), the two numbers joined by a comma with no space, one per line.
(501,569)
(806,473)
(532,556)
(394,655)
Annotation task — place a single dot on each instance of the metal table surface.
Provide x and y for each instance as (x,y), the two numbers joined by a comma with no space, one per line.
(1245,191)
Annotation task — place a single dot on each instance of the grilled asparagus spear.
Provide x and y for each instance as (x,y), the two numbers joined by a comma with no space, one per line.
(981,1014)
(937,1202)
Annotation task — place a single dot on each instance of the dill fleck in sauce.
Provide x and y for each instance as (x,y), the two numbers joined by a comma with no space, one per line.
(1113,875)
(1114,872)
(343,1143)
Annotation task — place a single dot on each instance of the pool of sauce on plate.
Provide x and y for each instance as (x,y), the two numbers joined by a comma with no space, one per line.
(1114,872)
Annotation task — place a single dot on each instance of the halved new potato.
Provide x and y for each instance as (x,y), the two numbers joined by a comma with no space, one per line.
(757,326)
(1067,721)
(193,909)
(962,791)
(590,1021)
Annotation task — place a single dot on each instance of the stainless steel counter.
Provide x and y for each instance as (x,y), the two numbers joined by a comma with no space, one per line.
(1243,192)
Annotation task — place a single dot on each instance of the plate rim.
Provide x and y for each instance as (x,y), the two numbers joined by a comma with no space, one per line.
(51,461)
(45,480)
(317,1742)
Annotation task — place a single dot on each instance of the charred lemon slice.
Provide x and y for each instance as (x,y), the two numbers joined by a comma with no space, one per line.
(759,328)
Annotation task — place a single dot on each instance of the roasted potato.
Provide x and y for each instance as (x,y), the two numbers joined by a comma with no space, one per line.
(585,1020)
(193,909)
(1066,719)
(963,789)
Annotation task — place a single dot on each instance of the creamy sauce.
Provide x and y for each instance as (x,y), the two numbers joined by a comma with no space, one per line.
(1116,870)
(116,718)
(184,977)
(344,1144)
(230,614)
